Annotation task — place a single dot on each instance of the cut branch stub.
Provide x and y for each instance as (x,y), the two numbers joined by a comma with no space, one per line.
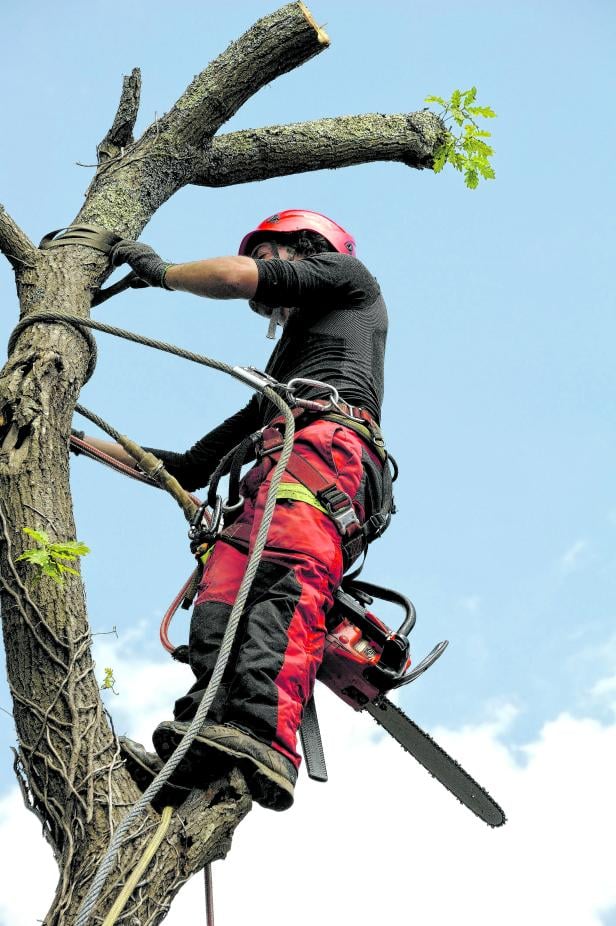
(127,191)
(274,45)
(121,132)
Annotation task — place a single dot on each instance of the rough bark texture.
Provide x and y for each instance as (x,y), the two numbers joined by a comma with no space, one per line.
(278,150)
(68,759)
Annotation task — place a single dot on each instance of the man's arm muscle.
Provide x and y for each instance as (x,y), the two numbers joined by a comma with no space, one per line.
(216,277)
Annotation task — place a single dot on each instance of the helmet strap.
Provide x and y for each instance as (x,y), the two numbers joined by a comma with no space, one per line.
(274,321)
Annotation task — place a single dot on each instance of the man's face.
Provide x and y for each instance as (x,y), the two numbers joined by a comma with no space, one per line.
(270,250)
(267,250)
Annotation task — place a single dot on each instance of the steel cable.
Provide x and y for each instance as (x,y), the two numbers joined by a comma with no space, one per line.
(221,663)
(168,769)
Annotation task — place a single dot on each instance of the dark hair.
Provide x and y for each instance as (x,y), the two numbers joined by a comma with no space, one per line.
(307,242)
(304,242)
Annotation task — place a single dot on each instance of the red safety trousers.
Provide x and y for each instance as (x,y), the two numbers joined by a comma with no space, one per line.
(280,639)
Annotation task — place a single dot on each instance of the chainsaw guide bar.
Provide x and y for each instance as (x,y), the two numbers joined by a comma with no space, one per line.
(435,760)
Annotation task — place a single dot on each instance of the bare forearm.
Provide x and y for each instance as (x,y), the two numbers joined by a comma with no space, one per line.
(116,451)
(216,278)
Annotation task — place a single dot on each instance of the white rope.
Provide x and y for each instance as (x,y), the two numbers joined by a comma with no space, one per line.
(221,663)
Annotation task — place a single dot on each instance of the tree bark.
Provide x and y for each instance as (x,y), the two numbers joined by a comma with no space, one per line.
(68,762)
(279,150)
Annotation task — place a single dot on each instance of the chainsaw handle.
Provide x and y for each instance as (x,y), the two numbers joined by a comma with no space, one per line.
(387,594)
(425,663)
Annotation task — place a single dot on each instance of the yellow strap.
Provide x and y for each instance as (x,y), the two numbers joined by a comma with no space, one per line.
(145,860)
(299,493)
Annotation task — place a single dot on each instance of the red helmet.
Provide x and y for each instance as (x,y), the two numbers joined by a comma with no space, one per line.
(294,220)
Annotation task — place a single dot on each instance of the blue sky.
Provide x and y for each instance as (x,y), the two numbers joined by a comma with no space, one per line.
(500,375)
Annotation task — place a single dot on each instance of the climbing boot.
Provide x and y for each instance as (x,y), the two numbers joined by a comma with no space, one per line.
(270,776)
(143,767)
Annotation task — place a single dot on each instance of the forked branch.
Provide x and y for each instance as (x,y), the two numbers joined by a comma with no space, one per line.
(126,192)
(275,44)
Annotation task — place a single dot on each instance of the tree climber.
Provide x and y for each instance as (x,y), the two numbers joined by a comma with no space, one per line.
(300,267)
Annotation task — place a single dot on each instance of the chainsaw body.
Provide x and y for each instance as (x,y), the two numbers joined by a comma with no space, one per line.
(363,657)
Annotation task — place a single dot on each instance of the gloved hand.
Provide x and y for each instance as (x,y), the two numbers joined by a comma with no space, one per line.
(143,259)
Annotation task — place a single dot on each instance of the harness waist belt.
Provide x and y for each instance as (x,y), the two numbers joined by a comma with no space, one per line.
(351,416)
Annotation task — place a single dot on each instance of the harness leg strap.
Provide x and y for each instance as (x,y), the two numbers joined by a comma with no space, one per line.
(312,745)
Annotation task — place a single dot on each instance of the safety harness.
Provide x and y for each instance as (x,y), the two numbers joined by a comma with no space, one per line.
(311,486)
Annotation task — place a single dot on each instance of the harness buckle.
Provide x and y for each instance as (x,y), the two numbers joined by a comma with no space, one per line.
(376,525)
(339,508)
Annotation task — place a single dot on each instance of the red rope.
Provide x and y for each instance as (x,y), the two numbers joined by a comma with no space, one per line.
(169,614)
(95,454)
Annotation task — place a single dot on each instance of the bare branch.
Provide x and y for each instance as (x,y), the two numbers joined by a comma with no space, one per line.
(275,151)
(14,244)
(127,191)
(121,132)
(274,45)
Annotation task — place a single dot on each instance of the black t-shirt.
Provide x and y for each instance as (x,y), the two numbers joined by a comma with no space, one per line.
(335,333)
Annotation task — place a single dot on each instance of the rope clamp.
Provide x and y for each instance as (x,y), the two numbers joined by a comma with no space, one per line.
(255,378)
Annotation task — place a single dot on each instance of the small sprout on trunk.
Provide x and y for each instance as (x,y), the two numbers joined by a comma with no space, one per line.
(109,681)
(50,559)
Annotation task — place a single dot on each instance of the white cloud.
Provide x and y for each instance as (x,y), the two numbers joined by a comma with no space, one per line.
(29,872)
(471,603)
(571,558)
(605,687)
(383,841)
(605,692)
(146,689)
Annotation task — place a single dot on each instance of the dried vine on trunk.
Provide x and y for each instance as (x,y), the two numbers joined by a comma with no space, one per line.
(67,761)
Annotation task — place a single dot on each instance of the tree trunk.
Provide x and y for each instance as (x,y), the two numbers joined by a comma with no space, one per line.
(68,762)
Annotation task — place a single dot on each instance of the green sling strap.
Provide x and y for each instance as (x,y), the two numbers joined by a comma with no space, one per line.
(90,236)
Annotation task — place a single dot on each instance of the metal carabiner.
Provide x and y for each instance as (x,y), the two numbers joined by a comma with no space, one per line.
(227,508)
(310,404)
(200,530)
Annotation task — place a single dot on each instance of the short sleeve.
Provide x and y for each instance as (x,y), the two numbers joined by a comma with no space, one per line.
(320,281)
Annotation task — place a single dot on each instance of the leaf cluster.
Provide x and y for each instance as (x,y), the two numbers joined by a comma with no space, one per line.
(466,150)
(50,559)
(109,681)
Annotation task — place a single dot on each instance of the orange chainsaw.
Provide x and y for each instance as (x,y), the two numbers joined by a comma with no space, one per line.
(364,660)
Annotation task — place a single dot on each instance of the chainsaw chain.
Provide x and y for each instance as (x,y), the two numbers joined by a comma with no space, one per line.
(385,704)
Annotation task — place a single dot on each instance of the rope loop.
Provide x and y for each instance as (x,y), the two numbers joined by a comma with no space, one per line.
(57,318)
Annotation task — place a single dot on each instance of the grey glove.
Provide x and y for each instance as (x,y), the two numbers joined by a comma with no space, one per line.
(145,262)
